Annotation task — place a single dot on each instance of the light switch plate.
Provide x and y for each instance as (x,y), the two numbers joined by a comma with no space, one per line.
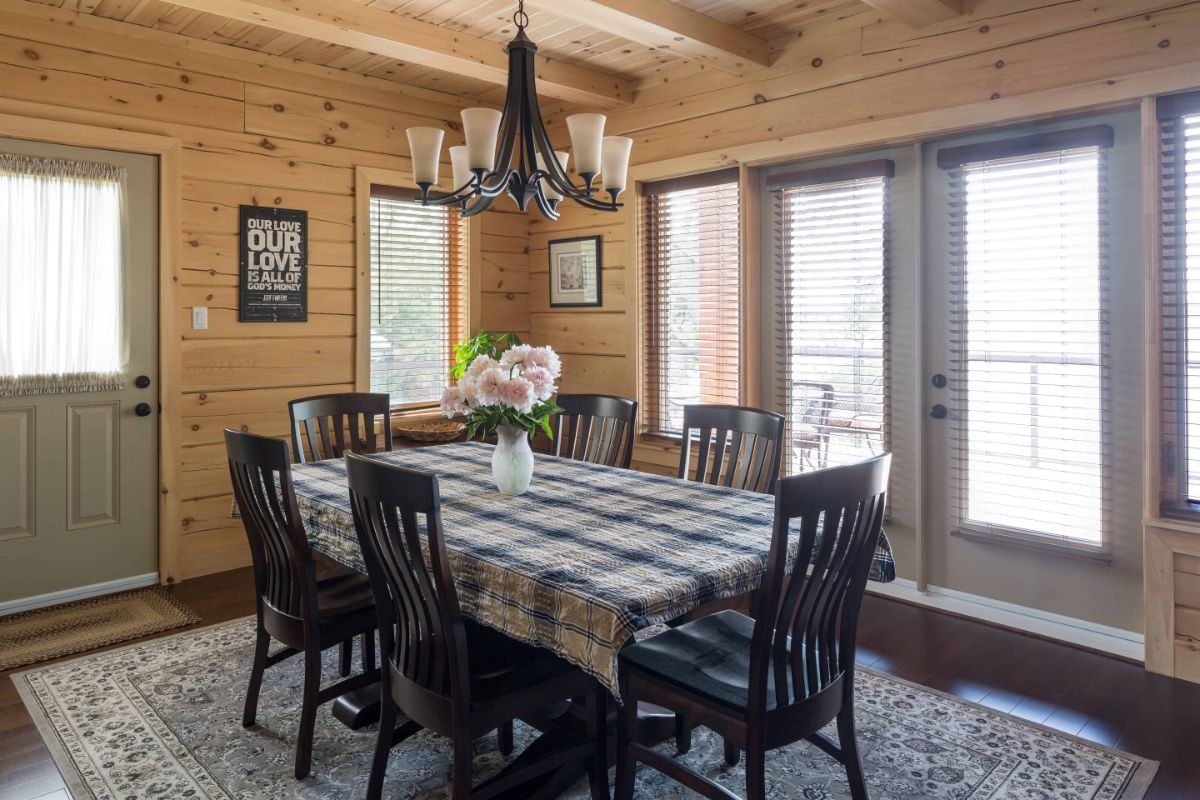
(199,318)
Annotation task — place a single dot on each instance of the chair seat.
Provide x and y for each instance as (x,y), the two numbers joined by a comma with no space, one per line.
(342,591)
(500,665)
(709,657)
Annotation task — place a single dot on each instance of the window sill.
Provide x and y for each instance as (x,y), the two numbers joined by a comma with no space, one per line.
(1177,524)
(1046,546)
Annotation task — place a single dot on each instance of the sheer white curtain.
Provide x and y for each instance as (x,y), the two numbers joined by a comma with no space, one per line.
(62,246)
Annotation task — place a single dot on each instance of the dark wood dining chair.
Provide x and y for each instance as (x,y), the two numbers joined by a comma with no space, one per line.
(739,447)
(321,424)
(770,680)
(443,672)
(304,606)
(598,428)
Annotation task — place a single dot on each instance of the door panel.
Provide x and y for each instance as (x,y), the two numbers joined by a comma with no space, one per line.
(94,464)
(16,464)
(79,471)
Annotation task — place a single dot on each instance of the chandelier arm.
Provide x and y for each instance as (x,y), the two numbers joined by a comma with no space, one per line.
(509,119)
(545,206)
(479,205)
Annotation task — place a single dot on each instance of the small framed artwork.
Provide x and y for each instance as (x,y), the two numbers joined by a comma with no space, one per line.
(575,272)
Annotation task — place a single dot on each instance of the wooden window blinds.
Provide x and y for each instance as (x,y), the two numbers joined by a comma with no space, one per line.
(1179,121)
(1030,453)
(417,302)
(831,295)
(691,234)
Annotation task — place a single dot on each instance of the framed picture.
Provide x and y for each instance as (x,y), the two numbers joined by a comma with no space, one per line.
(575,272)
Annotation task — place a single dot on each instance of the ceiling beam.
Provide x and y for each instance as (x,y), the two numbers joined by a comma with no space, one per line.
(919,13)
(416,42)
(668,26)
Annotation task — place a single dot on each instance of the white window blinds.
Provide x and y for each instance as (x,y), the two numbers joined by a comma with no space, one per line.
(417,297)
(62,252)
(691,232)
(1028,382)
(831,374)
(1179,117)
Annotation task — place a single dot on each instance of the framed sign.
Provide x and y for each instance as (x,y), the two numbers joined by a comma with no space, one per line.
(273,265)
(575,272)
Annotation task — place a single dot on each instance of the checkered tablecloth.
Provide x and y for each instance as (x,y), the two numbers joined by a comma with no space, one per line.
(586,557)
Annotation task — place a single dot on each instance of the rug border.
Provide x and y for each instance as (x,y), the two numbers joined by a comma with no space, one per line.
(1140,781)
(1141,778)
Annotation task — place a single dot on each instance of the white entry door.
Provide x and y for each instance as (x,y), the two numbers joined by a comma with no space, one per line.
(78,369)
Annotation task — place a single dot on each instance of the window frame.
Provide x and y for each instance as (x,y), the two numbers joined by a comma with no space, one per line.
(471,289)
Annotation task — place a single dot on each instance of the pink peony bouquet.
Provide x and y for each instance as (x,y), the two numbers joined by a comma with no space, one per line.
(500,381)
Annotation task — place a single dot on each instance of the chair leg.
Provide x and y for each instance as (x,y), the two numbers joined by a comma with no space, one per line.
(756,773)
(347,651)
(848,743)
(626,733)
(732,754)
(383,745)
(460,782)
(598,732)
(683,734)
(262,644)
(504,738)
(308,712)
(367,644)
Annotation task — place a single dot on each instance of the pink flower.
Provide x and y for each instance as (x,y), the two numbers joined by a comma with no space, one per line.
(454,401)
(542,380)
(489,386)
(515,355)
(518,393)
(476,367)
(545,358)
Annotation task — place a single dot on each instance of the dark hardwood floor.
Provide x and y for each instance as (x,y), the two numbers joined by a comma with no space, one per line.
(1103,699)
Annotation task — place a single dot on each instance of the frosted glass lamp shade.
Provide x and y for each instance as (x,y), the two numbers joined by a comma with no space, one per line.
(425,147)
(563,156)
(587,132)
(460,166)
(481,126)
(616,162)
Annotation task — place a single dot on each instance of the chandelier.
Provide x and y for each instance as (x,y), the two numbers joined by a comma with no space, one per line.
(527,166)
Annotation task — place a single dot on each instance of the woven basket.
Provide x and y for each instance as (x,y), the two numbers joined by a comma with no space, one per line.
(431,431)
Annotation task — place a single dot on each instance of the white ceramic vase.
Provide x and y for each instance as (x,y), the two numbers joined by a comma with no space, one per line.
(512,461)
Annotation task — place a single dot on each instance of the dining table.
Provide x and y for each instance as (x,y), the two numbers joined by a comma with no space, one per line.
(579,563)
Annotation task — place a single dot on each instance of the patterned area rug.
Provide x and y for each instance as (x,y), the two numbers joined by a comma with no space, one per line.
(162,720)
(46,633)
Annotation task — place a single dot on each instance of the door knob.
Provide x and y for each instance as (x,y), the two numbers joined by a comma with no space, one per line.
(939,381)
(142,381)
(143,409)
(937,411)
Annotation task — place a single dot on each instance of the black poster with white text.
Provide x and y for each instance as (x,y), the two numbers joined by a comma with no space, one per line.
(273,265)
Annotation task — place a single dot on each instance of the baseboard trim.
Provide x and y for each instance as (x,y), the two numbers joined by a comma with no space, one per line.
(1090,635)
(79,593)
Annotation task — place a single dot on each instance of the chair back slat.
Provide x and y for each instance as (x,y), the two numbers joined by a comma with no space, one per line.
(260,470)
(596,428)
(738,447)
(808,617)
(320,425)
(397,515)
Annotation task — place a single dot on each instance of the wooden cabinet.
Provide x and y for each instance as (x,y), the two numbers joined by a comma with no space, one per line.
(1172,590)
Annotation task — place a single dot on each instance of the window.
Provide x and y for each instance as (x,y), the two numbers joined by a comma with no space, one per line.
(830,229)
(61,263)
(1180,392)
(692,228)
(1028,383)
(417,296)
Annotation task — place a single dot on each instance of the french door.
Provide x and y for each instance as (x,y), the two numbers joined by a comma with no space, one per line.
(79,410)
(1033,378)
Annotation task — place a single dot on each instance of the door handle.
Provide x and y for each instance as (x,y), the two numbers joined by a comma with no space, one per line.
(937,411)
(143,409)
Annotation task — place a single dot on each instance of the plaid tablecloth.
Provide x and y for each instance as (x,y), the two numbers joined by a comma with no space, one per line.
(586,557)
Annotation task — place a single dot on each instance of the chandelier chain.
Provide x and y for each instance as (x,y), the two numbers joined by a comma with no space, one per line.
(520,18)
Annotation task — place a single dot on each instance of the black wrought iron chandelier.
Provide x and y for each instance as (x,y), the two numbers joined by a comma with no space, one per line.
(527,166)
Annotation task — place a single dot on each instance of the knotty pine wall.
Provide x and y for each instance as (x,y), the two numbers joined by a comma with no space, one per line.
(254,129)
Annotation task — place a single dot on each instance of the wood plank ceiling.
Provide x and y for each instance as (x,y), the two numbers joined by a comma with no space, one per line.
(559,37)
